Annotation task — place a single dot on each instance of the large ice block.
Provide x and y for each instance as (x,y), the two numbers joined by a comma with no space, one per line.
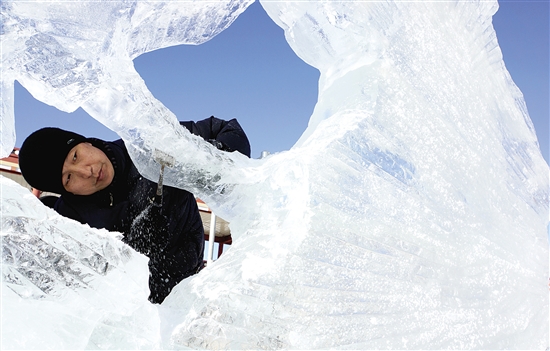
(412,212)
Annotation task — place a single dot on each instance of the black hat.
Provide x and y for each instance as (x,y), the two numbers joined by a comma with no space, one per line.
(42,155)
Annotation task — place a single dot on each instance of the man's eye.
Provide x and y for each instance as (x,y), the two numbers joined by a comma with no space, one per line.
(74,156)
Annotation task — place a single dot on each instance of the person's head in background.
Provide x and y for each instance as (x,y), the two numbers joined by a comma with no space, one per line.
(59,161)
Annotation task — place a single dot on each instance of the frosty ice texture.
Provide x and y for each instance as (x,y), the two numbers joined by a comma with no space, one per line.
(412,213)
(63,284)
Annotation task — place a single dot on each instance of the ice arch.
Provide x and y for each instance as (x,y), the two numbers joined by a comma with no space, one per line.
(412,213)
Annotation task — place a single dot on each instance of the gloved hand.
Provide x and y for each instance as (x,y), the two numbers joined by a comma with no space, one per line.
(219,145)
(149,231)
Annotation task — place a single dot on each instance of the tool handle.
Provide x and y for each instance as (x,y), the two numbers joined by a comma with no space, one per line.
(158,196)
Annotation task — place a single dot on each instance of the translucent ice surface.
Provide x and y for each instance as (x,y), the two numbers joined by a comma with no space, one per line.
(68,286)
(412,212)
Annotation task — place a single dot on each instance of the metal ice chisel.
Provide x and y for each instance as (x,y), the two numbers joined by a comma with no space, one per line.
(164,160)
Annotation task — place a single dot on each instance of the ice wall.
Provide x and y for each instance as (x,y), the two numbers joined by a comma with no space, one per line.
(412,213)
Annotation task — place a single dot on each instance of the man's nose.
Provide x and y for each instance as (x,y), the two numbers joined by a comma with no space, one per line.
(82,171)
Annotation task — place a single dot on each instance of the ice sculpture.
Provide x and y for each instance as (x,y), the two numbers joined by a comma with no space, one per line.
(412,213)
(65,286)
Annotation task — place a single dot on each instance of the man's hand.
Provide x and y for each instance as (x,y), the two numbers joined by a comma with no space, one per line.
(219,145)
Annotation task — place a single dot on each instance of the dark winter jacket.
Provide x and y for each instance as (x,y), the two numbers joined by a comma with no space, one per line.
(180,228)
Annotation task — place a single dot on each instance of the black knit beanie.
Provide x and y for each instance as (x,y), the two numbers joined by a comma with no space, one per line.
(42,155)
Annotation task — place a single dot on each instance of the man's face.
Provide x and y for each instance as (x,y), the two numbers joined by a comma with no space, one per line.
(86,170)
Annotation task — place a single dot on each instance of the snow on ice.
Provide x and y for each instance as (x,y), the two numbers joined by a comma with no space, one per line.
(412,212)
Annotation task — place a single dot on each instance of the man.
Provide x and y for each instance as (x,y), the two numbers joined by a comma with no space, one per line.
(99,185)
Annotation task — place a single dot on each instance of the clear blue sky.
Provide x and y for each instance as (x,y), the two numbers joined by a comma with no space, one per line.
(250,73)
